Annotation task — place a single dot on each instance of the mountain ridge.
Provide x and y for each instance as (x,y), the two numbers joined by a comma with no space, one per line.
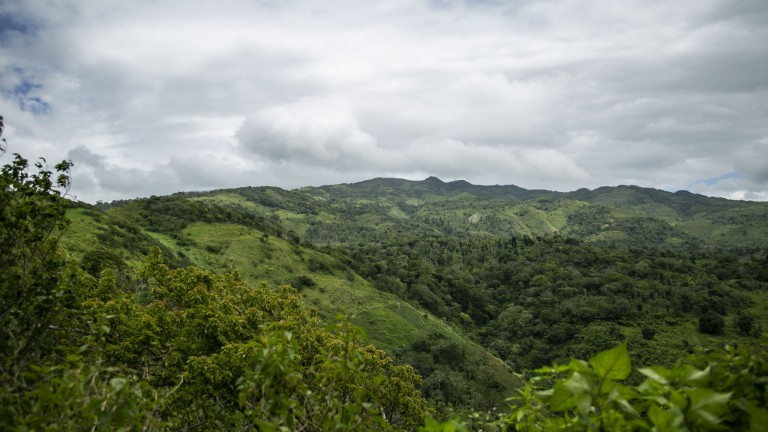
(466,283)
(627,215)
(464,184)
(613,213)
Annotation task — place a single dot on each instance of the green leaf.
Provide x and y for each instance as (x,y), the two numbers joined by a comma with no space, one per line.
(707,416)
(758,419)
(703,398)
(612,364)
(578,384)
(432,425)
(117,383)
(697,377)
(664,420)
(579,366)
(264,426)
(656,373)
(551,369)
(562,398)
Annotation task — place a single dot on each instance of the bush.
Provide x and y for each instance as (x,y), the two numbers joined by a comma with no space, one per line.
(710,322)
(303,282)
(714,391)
(648,333)
(745,323)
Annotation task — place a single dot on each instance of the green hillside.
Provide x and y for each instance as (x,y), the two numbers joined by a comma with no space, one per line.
(263,252)
(377,305)
(467,284)
(624,216)
(471,283)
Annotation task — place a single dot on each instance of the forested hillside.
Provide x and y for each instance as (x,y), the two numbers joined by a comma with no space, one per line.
(166,312)
(624,216)
(465,373)
(532,277)
(144,346)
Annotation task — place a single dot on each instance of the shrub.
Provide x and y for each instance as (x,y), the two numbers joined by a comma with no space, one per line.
(710,322)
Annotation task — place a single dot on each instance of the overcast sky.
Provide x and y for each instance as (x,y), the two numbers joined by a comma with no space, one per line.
(153,97)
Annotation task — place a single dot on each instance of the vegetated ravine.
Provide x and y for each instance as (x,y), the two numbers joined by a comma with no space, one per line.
(466,283)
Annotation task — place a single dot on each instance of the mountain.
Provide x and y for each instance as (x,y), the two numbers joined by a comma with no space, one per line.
(469,284)
(627,216)
(219,238)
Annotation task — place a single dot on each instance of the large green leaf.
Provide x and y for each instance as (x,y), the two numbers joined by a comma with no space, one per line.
(613,364)
(665,421)
(659,374)
(706,401)
(562,398)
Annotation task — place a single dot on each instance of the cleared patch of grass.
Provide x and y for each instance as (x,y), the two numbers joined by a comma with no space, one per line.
(82,231)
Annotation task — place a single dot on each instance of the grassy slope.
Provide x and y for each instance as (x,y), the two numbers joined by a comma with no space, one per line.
(82,232)
(390,323)
(382,208)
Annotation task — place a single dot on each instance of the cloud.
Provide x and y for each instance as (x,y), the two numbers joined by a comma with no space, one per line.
(318,130)
(451,159)
(751,161)
(96,178)
(732,185)
(324,132)
(154,97)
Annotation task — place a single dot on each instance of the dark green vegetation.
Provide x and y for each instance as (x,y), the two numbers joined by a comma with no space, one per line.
(526,277)
(149,347)
(467,284)
(532,276)
(711,391)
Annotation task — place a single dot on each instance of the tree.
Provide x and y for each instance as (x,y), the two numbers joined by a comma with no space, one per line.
(176,349)
(648,332)
(32,209)
(236,357)
(38,291)
(745,323)
(710,322)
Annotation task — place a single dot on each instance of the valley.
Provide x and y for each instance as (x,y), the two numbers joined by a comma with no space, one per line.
(470,284)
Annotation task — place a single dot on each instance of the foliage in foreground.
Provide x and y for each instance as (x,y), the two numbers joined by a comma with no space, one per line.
(719,390)
(187,349)
(170,349)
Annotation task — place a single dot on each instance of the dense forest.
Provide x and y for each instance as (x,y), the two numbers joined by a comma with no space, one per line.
(382,305)
(533,301)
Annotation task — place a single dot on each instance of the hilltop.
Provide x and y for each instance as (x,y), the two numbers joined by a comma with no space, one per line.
(627,216)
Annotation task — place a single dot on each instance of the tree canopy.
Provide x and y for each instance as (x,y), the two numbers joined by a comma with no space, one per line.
(171,349)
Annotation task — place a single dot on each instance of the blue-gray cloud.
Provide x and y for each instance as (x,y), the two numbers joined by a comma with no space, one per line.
(155,97)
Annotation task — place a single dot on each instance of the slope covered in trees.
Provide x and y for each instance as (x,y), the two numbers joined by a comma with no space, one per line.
(465,374)
(531,276)
(164,312)
(533,301)
(624,216)
(168,349)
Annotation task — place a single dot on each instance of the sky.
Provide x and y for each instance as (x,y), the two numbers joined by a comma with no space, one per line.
(154,97)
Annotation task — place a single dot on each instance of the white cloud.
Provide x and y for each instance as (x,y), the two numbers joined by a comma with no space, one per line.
(324,132)
(318,130)
(451,159)
(561,94)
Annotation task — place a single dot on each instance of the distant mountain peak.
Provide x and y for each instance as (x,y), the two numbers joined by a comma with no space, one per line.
(460,183)
(433,180)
